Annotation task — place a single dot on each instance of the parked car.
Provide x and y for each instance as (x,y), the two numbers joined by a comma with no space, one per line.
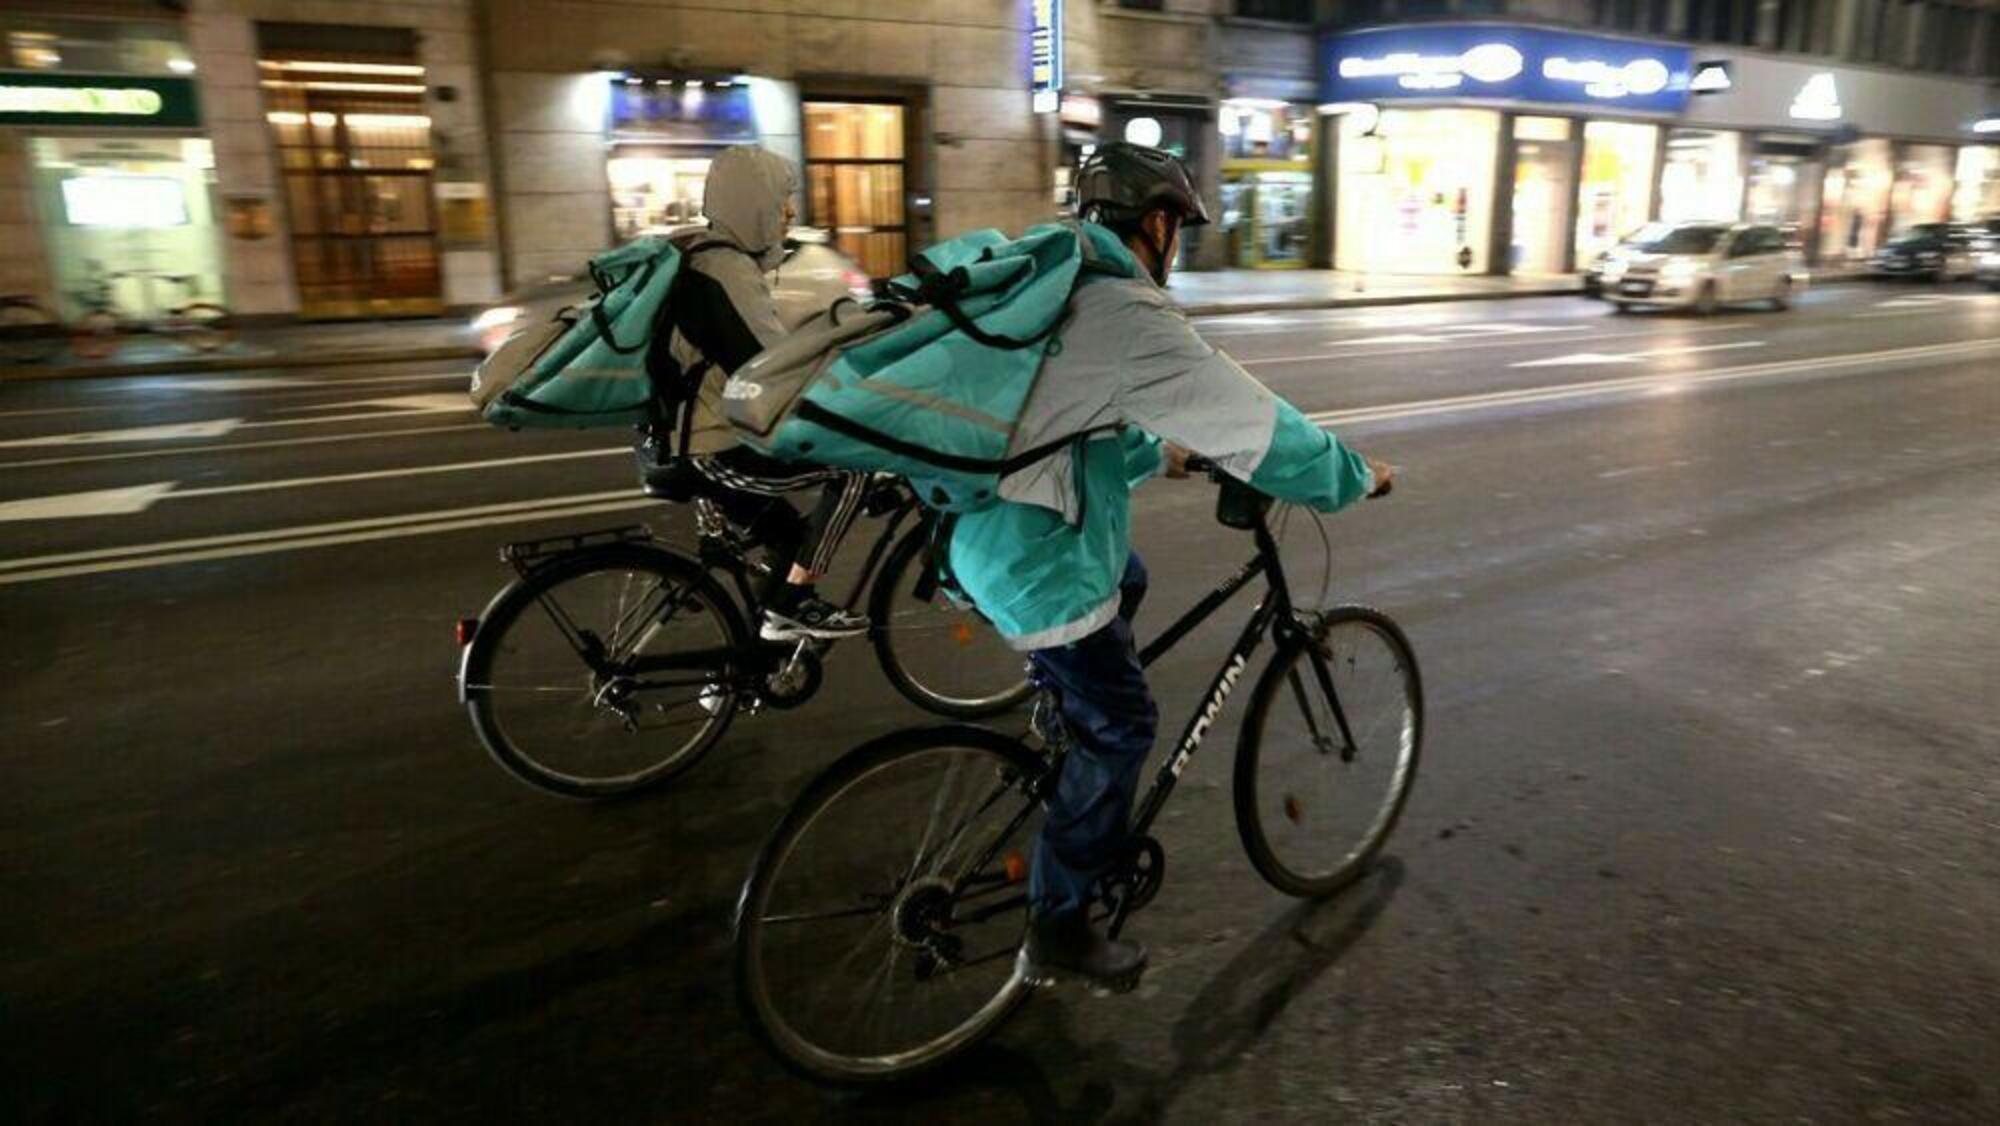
(814,275)
(1986,251)
(1593,274)
(1938,251)
(1705,265)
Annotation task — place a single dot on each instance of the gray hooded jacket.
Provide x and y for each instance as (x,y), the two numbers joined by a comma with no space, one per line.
(723,307)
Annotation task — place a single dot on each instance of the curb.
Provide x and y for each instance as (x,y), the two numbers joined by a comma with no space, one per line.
(198,364)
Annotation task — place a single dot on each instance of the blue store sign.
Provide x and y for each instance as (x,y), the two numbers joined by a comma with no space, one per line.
(1523,64)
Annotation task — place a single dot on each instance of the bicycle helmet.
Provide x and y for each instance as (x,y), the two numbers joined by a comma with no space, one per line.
(1121,181)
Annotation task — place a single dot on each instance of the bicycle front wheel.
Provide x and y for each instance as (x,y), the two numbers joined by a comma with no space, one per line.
(876,934)
(556,677)
(1322,776)
(942,656)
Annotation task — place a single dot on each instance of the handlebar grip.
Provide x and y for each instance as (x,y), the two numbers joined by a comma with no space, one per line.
(1199,464)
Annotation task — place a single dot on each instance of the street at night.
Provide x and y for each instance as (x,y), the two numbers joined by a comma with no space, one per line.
(1706,826)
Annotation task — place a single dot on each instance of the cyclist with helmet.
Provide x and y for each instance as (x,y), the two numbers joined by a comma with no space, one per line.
(1054,569)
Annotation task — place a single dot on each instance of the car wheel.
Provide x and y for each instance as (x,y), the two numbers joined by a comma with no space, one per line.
(1781,298)
(1705,302)
(1621,306)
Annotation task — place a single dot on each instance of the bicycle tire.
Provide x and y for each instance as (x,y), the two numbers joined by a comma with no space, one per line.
(1252,745)
(517,597)
(203,326)
(897,575)
(28,334)
(94,336)
(753,986)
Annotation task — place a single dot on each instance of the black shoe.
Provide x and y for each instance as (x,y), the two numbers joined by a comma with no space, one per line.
(810,616)
(1066,948)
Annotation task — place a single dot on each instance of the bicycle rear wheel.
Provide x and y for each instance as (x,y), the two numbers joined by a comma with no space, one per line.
(1312,808)
(943,657)
(877,931)
(550,678)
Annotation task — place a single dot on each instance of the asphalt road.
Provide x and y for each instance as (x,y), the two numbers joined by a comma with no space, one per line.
(1707,827)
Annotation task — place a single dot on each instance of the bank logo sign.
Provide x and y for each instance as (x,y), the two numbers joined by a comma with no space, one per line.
(1525,64)
(85,99)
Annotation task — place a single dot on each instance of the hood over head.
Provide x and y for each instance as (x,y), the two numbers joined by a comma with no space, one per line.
(745,200)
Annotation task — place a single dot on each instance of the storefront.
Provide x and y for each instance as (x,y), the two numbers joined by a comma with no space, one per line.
(1845,156)
(664,130)
(1267,182)
(1185,125)
(106,127)
(1434,119)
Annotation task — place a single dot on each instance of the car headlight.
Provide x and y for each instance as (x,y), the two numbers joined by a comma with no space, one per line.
(1679,271)
(1990,259)
(499,316)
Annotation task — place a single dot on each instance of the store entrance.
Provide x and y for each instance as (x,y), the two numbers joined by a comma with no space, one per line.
(354,145)
(1544,159)
(855,174)
(129,223)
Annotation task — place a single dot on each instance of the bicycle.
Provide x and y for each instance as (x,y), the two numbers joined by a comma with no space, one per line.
(672,648)
(876,934)
(200,326)
(28,334)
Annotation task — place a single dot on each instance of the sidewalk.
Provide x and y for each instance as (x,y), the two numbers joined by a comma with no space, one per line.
(270,346)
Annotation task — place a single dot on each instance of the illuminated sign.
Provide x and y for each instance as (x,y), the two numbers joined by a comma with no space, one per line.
(1710,78)
(1524,64)
(1818,100)
(1045,55)
(83,99)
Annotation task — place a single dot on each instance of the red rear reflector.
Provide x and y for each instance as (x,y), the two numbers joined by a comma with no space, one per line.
(464,629)
(1017,867)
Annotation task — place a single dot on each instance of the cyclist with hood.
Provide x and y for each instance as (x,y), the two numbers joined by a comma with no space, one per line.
(723,315)
(1054,569)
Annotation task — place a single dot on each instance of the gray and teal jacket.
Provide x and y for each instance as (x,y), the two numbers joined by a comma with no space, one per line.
(1044,565)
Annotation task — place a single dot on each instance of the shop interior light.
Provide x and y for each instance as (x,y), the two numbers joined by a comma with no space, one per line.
(286,65)
(284,117)
(1256,103)
(388,120)
(1986,125)
(181,66)
(356,87)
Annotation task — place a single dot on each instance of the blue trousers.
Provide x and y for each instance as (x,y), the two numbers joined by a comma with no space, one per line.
(1112,720)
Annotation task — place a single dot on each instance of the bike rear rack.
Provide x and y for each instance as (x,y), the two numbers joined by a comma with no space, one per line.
(524,554)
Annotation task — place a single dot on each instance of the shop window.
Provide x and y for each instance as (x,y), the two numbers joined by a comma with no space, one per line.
(129,222)
(1702,177)
(1977,195)
(1417,195)
(1616,192)
(1922,192)
(1855,207)
(1544,185)
(92,46)
(855,180)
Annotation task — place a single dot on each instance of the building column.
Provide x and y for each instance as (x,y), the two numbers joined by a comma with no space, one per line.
(257,260)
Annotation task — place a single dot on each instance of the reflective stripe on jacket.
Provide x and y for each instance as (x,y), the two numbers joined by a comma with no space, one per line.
(1045,567)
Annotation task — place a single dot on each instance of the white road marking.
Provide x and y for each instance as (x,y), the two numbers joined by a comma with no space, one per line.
(130,500)
(1670,381)
(332,535)
(122,501)
(269,443)
(1577,358)
(172,431)
(405,406)
(1457,345)
(224,383)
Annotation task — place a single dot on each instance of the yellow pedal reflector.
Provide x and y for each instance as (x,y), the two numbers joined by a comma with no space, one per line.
(961,632)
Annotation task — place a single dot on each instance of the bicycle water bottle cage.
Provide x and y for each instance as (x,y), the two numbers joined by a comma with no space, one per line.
(1239,506)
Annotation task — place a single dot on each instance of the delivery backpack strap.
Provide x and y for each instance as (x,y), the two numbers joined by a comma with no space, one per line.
(685,385)
(941,290)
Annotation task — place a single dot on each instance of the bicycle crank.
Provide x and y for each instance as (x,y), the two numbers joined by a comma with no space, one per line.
(793,682)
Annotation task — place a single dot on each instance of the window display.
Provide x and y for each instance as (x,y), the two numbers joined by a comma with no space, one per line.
(129,222)
(651,192)
(1923,188)
(1856,203)
(1977,195)
(1416,195)
(1617,190)
(1703,176)
(1542,192)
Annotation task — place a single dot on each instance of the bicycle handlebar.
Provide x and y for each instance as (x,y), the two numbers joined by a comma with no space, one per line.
(1199,464)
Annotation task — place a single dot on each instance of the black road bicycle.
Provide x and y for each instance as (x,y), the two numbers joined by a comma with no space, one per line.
(877,931)
(613,661)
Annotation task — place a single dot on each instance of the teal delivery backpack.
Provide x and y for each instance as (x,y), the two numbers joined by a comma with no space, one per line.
(928,382)
(604,363)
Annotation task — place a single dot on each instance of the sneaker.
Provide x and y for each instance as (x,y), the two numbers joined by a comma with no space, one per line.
(1067,948)
(813,617)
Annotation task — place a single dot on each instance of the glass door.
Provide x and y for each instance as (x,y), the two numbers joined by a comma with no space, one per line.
(354,146)
(854,181)
(1542,191)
